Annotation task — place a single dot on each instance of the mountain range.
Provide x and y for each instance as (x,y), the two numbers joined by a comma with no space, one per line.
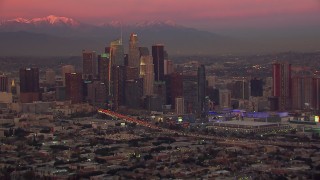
(63,36)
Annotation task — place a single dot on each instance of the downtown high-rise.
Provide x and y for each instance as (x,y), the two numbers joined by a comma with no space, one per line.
(29,85)
(282,85)
(158,61)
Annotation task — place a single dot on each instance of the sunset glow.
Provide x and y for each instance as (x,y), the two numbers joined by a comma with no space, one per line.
(190,12)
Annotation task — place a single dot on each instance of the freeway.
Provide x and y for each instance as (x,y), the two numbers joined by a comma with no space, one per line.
(200,136)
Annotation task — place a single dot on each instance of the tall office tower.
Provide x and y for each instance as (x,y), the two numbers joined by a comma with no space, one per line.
(118,86)
(97,94)
(202,85)
(74,87)
(134,54)
(282,84)
(50,77)
(168,67)
(4,83)
(256,87)
(117,53)
(316,93)
(125,59)
(29,85)
(240,89)
(104,71)
(66,69)
(13,87)
(131,73)
(179,105)
(190,94)
(302,93)
(158,61)
(159,90)
(147,73)
(89,65)
(134,93)
(213,94)
(225,98)
(174,87)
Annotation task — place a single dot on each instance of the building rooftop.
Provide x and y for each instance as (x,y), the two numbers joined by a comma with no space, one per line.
(245,123)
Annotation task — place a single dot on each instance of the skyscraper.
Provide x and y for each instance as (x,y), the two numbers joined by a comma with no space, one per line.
(302,92)
(117,53)
(74,87)
(97,94)
(50,77)
(168,67)
(225,98)
(316,93)
(191,94)
(104,71)
(201,87)
(118,84)
(134,54)
(160,91)
(66,69)
(134,93)
(29,85)
(240,89)
(131,73)
(256,87)
(282,84)
(89,65)
(4,83)
(179,105)
(158,61)
(147,73)
(174,87)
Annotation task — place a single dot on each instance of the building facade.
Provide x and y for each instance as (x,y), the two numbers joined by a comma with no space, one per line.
(158,61)
(29,85)
(134,53)
(74,87)
(89,65)
(282,84)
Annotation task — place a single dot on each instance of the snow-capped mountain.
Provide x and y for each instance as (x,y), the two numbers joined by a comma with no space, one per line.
(41,35)
(49,20)
(156,23)
(142,24)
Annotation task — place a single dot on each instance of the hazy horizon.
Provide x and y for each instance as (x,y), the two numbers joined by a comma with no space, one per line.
(270,25)
(210,15)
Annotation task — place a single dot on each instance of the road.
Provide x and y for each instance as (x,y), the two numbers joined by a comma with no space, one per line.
(210,137)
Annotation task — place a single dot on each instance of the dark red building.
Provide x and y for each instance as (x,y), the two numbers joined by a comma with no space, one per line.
(282,84)
(29,85)
(74,87)
(174,87)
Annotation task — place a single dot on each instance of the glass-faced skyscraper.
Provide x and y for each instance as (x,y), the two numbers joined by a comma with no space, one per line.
(104,71)
(74,87)
(29,85)
(89,66)
(201,87)
(134,54)
(282,84)
(117,53)
(158,61)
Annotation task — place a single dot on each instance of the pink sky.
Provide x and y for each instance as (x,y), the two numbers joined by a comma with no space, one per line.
(202,13)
